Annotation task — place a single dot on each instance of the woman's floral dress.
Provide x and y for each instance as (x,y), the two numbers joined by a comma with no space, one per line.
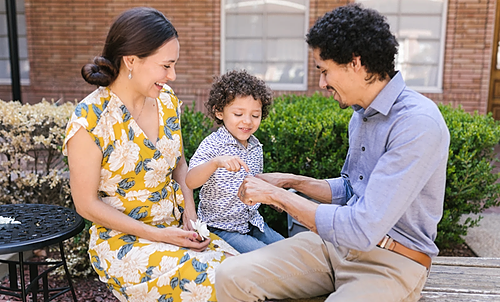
(136,178)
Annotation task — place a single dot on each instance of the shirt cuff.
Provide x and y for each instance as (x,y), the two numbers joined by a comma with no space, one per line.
(338,190)
(324,218)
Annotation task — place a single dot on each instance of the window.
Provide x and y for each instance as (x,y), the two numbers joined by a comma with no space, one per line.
(267,38)
(24,66)
(419,26)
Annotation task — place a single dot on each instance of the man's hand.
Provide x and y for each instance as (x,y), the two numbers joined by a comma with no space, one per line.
(282,180)
(255,190)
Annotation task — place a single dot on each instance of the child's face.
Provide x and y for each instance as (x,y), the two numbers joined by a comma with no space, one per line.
(242,117)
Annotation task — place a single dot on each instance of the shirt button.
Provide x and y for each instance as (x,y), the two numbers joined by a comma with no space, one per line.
(362,148)
(361,177)
(365,119)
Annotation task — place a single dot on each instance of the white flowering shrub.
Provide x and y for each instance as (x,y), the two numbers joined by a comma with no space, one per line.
(32,167)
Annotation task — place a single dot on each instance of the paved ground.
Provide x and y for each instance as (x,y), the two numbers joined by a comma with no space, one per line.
(484,240)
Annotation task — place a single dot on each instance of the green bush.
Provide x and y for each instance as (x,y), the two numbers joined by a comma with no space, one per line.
(471,184)
(195,127)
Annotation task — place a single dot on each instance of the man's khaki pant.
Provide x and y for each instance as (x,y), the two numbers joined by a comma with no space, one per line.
(306,266)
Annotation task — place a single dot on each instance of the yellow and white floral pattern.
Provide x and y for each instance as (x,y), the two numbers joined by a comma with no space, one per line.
(136,178)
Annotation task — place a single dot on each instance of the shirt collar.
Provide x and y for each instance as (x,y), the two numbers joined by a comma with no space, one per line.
(228,139)
(387,96)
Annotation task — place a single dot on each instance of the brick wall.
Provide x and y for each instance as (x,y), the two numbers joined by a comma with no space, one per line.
(64,35)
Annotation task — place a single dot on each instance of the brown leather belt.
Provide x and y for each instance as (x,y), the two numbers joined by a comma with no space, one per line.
(392,245)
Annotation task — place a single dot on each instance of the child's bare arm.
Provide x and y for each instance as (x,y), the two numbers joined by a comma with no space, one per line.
(198,175)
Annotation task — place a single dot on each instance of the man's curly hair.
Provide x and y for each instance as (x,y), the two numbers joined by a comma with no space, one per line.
(237,83)
(350,31)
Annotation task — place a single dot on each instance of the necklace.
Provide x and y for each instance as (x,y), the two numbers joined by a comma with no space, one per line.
(143,103)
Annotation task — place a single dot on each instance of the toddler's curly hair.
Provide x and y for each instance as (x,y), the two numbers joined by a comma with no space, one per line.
(237,83)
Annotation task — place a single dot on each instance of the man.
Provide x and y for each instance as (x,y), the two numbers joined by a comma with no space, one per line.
(373,235)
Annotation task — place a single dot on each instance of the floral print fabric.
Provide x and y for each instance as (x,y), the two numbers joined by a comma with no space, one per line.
(136,178)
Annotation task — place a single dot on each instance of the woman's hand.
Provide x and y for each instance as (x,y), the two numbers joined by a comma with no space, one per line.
(183,238)
(188,216)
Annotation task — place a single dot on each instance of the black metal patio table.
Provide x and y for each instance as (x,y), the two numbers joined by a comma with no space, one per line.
(40,225)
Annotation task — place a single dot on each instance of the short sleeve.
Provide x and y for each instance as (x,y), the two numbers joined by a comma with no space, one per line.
(86,115)
(205,152)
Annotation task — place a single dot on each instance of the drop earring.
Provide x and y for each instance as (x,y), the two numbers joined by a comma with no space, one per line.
(130,74)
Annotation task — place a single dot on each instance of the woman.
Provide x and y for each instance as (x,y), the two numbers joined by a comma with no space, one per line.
(127,169)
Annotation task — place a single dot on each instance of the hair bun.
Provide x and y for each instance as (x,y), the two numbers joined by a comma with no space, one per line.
(101,72)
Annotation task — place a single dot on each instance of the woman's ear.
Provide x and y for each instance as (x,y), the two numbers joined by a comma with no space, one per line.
(129,61)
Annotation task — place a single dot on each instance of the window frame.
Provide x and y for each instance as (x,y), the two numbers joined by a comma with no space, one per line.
(438,88)
(20,11)
(274,86)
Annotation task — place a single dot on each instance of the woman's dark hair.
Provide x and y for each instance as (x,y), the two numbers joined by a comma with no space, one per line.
(139,31)
(351,30)
(237,84)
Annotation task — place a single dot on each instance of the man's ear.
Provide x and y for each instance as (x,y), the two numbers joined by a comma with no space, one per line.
(356,62)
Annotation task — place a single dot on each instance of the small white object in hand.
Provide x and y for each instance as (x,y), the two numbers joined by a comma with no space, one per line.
(8,220)
(201,228)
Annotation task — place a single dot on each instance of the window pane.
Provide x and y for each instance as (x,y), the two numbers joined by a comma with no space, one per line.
(23,48)
(270,6)
(420,27)
(285,50)
(244,6)
(4,48)
(24,69)
(3,24)
(244,50)
(267,38)
(244,26)
(394,24)
(19,6)
(21,25)
(419,75)
(285,6)
(4,69)
(4,43)
(417,24)
(284,73)
(285,25)
(422,6)
(383,6)
(498,56)
(257,69)
(418,51)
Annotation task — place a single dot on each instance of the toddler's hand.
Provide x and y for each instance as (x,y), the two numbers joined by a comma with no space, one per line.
(231,163)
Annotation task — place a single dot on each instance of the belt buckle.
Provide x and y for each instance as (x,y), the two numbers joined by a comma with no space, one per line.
(386,242)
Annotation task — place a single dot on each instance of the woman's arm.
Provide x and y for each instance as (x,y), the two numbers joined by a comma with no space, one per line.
(179,175)
(198,175)
(85,173)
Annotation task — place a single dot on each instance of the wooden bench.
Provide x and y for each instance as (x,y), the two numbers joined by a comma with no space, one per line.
(456,279)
